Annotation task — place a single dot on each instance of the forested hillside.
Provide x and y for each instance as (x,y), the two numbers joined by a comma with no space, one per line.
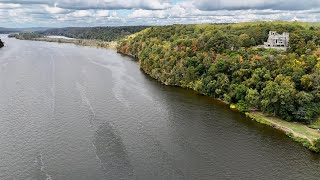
(7,30)
(24,30)
(222,61)
(1,44)
(97,33)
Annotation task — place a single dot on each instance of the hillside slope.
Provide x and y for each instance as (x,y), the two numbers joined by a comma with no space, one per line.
(221,61)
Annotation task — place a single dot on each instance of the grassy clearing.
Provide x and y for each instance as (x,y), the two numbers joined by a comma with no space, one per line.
(315,124)
(309,137)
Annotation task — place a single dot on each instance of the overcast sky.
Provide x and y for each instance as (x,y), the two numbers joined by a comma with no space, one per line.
(61,13)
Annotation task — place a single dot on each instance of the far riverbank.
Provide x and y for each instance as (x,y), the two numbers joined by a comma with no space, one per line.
(81,42)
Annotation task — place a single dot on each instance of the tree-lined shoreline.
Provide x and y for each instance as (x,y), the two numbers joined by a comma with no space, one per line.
(81,42)
(222,61)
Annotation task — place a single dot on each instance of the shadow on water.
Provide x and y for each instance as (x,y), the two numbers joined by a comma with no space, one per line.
(112,153)
(223,142)
(201,102)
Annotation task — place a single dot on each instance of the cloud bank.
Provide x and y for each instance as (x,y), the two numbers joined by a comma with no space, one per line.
(291,5)
(58,13)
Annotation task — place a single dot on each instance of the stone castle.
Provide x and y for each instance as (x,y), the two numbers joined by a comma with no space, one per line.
(278,41)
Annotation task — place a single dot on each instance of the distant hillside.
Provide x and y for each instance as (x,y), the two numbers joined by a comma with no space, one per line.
(97,33)
(33,29)
(8,30)
(15,30)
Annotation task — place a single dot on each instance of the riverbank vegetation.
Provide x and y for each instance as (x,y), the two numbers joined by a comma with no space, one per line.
(308,137)
(102,37)
(107,34)
(223,61)
(26,36)
(81,42)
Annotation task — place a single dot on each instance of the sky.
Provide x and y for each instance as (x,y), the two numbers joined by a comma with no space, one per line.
(66,13)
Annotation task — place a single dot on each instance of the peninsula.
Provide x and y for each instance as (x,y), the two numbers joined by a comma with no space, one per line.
(1,44)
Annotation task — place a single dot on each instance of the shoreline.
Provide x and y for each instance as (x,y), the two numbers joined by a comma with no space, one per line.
(308,137)
(80,42)
(301,133)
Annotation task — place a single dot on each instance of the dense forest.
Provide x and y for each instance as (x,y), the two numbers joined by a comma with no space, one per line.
(223,61)
(7,30)
(26,36)
(96,33)
(1,44)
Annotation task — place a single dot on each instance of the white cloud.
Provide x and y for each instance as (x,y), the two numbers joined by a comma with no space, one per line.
(9,6)
(81,13)
(256,4)
(148,14)
(152,12)
(55,10)
(103,13)
(96,4)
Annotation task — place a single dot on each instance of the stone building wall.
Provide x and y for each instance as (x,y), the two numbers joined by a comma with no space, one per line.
(276,40)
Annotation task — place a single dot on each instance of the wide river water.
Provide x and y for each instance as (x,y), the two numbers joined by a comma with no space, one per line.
(71,113)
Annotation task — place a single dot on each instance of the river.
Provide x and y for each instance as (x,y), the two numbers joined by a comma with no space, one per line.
(72,112)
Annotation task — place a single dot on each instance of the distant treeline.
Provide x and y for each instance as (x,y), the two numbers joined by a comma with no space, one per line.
(96,33)
(223,61)
(1,44)
(7,30)
(26,36)
(21,30)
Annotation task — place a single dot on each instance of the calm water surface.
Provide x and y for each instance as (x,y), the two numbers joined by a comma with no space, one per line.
(71,112)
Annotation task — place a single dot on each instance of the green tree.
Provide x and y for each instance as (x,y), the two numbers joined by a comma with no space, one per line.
(245,40)
(219,42)
(253,98)
(278,97)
